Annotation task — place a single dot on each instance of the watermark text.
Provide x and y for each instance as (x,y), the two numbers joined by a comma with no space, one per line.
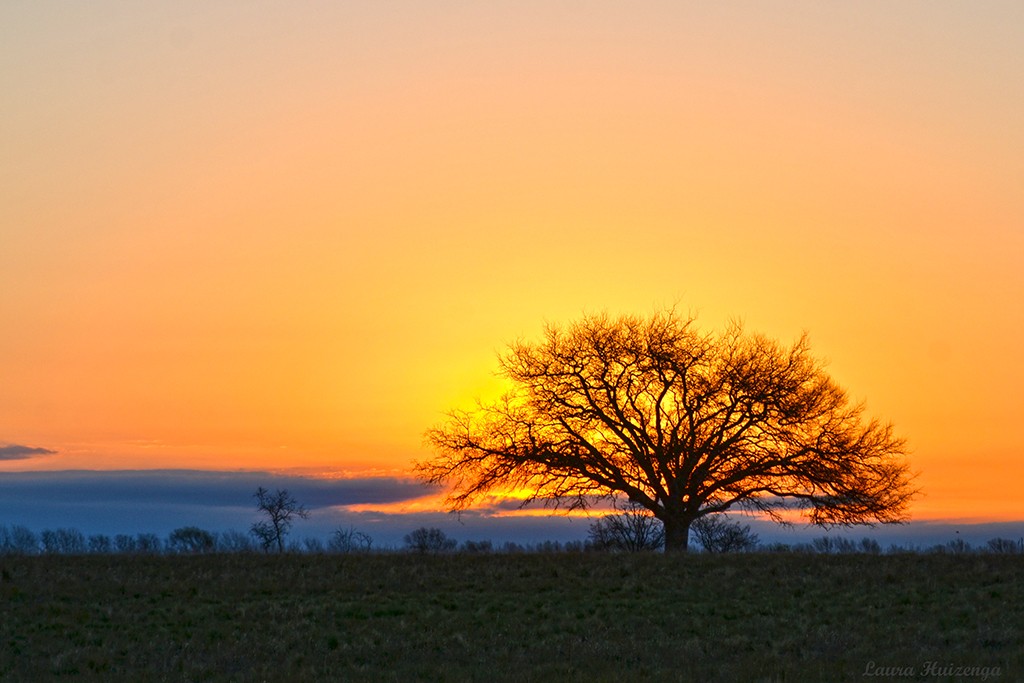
(932,669)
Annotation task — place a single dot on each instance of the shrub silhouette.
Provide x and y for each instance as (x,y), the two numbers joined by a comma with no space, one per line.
(100,543)
(349,541)
(62,541)
(1005,546)
(191,540)
(234,541)
(429,540)
(18,540)
(717,535)
(632,530)
(477,547)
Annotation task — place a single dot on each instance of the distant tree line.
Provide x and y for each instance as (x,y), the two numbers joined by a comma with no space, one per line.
(632,528)
(189,540)
(605,536)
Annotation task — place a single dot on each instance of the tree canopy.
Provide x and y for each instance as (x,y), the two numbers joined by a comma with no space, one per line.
(682,422)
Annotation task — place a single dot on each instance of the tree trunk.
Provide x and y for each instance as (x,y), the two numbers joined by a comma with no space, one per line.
(677,534)
(279,536)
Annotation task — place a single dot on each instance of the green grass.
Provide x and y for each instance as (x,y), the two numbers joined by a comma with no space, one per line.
(759,617)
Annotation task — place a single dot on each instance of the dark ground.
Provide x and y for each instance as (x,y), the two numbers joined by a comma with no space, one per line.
(755,617)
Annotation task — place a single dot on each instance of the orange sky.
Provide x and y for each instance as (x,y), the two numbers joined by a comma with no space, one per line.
(291,235)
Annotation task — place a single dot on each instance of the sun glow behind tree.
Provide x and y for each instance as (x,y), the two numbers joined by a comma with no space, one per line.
(681,422)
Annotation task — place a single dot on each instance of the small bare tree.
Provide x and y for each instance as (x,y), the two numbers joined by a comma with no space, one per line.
(63,541)
(717,535)
(349,541)
(634,529)
(233,541)
(100,543)
(1005,546)
(18,540)
(280,509)
(432,540)
(191,540)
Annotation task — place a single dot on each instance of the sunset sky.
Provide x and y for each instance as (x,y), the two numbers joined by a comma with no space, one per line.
(288,236)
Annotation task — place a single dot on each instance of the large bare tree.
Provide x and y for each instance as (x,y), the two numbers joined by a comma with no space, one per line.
(683,423)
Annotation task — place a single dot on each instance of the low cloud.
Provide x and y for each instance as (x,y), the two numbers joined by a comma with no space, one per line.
(201,488)
(17,452)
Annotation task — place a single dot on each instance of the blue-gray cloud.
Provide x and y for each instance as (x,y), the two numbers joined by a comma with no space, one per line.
(197,488)
(18,452)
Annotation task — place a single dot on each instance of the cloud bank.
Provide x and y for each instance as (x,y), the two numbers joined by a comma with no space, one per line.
(18,452)
(199,488)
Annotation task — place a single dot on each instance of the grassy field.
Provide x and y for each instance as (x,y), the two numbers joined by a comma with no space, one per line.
(758,617)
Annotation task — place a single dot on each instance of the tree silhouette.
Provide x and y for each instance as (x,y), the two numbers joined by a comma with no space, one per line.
(280,509)
(429,540)
(18,540)
(718,535)
(681,422)
(191,540)
(349,541)
(633,529)
(63,541)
